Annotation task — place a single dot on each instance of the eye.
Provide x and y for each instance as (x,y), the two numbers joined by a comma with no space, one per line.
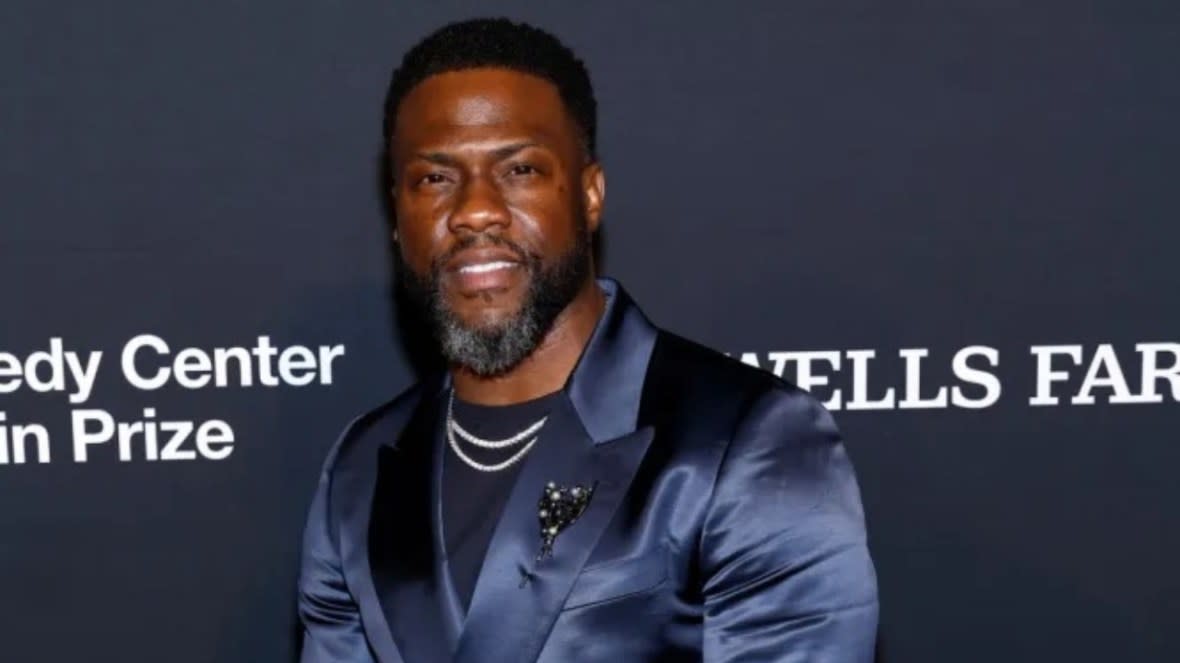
(432,178)
(430,181)
(521,169)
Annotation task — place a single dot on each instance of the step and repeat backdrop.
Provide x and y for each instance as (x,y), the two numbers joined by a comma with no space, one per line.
(956,223)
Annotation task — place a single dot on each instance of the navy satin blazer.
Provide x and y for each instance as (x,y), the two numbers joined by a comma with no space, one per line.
(726,524)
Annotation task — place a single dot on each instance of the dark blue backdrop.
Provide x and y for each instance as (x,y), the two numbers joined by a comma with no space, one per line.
(826,176)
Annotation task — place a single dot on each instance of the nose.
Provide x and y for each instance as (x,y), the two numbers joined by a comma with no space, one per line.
(480,205)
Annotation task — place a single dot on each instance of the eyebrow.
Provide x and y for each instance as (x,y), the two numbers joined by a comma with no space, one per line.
(499,153)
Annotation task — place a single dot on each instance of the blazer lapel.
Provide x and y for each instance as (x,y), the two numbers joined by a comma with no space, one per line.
(409,572)
(354,486)
(591,437)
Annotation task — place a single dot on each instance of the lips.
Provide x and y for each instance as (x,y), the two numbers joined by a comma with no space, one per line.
(483,269)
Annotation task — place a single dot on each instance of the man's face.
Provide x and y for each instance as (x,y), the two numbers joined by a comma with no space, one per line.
(495,203)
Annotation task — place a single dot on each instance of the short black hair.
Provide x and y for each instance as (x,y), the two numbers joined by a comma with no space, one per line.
(498,42)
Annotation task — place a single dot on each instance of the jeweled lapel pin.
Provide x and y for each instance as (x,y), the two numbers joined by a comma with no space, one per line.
(557,509)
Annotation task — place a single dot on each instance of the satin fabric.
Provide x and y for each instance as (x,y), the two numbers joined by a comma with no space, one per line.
(726,524)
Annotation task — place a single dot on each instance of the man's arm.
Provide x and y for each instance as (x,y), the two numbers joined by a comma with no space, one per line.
(788,578)
(332,631)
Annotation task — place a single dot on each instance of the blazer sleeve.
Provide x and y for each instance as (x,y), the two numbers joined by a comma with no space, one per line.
(786,569)
(332,631)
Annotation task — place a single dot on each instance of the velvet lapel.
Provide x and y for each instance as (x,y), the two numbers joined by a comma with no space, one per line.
(590,437)
(353,490)
(408,569)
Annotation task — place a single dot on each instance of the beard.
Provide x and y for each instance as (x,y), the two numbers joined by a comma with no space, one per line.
(492,349)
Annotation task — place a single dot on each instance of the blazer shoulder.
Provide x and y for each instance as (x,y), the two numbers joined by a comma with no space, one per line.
(693,361)
(688,380)
(371,428)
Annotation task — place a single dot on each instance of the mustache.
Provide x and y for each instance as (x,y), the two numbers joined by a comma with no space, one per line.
(480,241)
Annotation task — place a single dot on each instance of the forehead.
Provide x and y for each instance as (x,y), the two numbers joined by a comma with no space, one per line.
(479,103)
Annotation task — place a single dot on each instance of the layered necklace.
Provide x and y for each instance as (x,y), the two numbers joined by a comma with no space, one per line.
(455,431)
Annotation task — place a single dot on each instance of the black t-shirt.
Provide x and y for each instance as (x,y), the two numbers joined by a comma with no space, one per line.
(472,500)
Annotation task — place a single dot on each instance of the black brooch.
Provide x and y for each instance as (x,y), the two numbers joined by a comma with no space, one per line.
(558,508)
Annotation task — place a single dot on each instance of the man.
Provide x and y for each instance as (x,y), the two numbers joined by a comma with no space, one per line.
(576,485)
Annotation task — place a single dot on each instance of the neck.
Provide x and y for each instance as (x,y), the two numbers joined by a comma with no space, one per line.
(548,368)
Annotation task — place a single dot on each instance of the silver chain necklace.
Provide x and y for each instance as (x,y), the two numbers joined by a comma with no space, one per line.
(454,428)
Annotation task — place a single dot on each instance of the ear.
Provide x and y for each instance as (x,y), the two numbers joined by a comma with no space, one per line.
(593,193)
(391,210)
